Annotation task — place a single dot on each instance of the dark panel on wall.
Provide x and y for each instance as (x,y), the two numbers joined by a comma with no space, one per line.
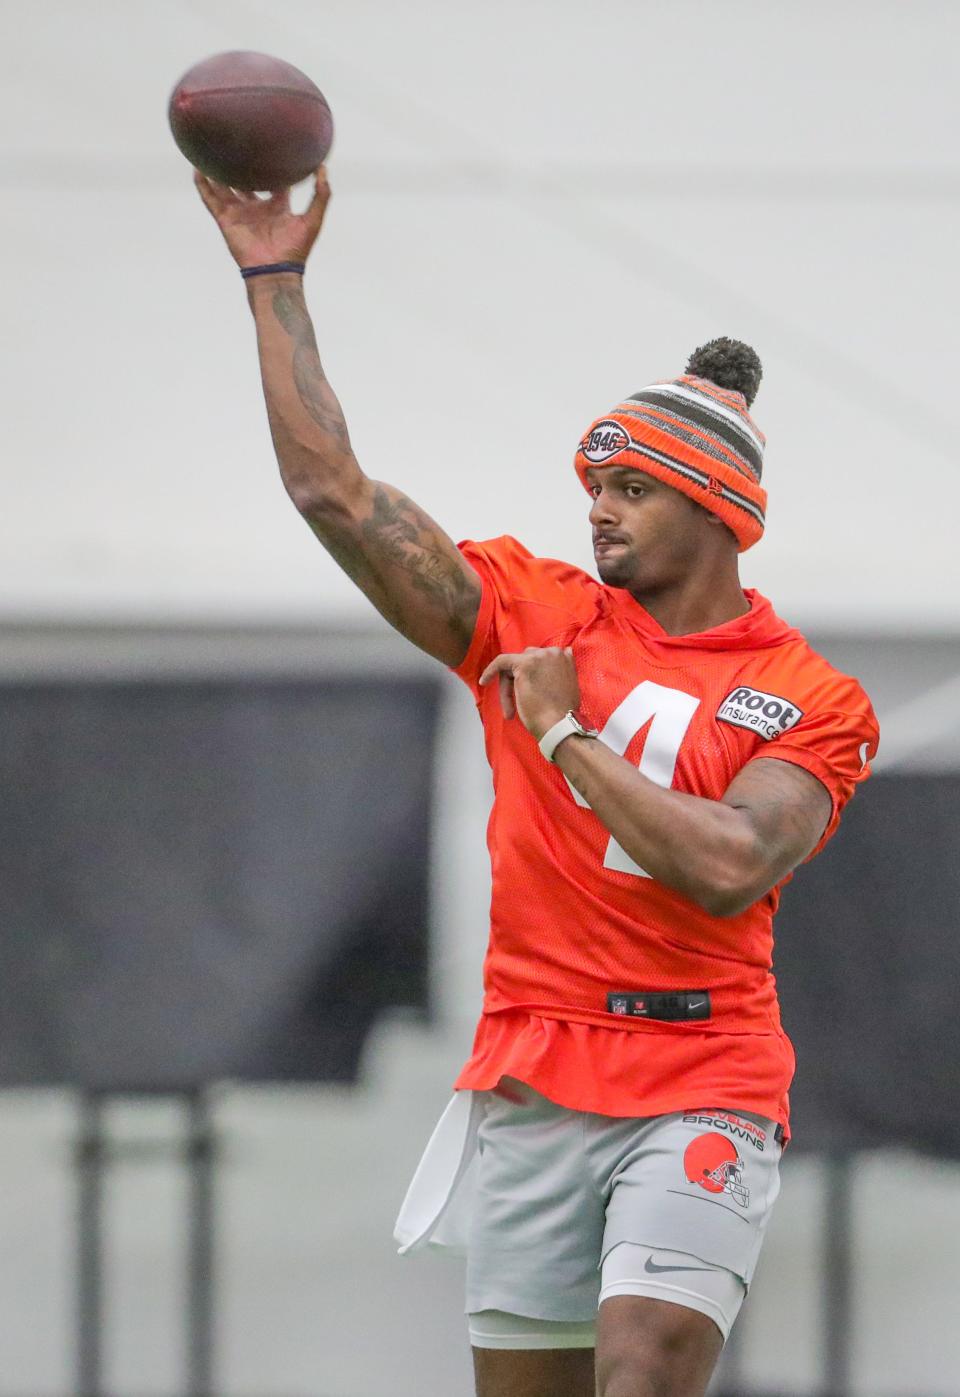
(868,964)
(209,879)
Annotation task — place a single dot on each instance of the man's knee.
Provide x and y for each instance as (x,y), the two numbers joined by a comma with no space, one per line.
(652,1348)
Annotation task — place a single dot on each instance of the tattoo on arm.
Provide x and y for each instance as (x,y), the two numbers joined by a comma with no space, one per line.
(397,534)
(315,392)
(398,531)
(348,553)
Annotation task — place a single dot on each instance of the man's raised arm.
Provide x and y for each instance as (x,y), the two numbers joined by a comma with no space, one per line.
(404,562)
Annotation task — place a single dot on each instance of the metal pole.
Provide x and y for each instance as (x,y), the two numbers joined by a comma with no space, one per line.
(89,1161)
(200,1282)
(837,1272)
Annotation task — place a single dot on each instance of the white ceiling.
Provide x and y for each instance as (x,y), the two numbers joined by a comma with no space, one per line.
(538,208)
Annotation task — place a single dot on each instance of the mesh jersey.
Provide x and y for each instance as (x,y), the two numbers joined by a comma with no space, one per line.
(572,918)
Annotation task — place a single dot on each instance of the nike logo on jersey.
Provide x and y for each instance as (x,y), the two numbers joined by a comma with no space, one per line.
(656,1270)
(768,715)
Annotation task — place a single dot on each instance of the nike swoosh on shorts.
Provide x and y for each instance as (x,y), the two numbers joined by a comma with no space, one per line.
(654,1269)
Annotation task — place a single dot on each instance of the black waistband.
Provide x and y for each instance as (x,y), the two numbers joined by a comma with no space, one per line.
(660,1004)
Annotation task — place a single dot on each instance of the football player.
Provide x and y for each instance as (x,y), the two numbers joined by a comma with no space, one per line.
(665,751)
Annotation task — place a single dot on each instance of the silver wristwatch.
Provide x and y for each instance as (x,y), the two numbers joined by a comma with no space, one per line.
(570,725)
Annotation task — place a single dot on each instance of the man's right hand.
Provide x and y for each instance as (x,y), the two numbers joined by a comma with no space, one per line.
(259,232)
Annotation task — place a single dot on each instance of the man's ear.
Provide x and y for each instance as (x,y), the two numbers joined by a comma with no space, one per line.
(716,522)
(708,514)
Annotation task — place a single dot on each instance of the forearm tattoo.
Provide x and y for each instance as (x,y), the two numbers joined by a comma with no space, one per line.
(314,391)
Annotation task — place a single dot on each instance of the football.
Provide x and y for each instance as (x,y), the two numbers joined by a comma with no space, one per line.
(250,121)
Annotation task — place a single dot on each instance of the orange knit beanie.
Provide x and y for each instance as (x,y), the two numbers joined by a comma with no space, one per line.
(694,433)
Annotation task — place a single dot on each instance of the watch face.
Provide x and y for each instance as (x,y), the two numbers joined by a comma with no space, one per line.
(586,723)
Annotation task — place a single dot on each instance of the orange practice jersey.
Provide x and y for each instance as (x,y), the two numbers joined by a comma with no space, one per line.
(573,919)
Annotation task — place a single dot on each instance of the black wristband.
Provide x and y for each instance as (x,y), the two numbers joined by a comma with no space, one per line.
(298,267)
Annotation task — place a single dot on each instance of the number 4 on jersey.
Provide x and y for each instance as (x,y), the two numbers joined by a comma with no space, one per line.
(668,711)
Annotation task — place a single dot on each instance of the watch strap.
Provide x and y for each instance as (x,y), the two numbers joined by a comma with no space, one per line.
(568,726)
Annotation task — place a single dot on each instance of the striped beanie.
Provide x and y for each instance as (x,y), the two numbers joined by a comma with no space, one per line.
(694,433)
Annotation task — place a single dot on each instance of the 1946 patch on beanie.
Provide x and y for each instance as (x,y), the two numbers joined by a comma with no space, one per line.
(694,433)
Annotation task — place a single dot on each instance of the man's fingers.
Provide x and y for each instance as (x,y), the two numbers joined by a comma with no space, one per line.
(313,214)
(208,192)
(543,683)
(218,197)
(507,701)
(497,666)
(503,666)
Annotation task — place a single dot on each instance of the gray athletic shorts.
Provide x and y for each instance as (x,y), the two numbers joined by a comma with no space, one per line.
(558,1190)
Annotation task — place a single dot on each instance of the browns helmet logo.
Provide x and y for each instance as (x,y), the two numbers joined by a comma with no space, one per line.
(603,441)
(712,1162)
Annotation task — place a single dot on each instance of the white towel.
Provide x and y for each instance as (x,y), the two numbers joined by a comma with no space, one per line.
(438,1204)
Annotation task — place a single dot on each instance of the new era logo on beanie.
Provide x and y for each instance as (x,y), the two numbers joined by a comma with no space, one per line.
(694,433)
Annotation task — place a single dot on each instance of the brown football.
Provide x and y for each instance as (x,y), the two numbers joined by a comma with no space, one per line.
(250,121)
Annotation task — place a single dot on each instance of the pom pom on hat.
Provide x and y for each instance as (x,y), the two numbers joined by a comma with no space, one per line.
(729,364)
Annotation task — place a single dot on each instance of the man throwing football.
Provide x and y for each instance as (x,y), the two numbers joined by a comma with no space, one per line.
(665,752)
